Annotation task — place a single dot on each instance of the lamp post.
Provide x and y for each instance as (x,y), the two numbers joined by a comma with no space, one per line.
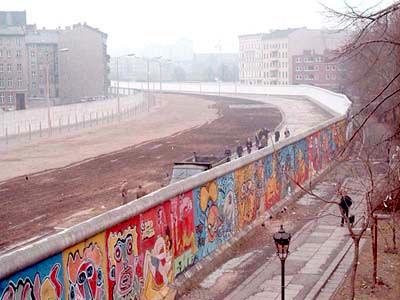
(282,241)
(118,100)
(48,87)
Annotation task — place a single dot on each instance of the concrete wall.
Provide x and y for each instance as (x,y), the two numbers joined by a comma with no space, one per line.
(21,121)
(139,248)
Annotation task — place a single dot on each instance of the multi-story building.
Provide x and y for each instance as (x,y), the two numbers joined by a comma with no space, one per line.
(13,64)
(42,55)
(321,70)
(265,58)
(84,67)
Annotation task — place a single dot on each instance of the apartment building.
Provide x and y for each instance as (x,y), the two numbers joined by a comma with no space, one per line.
(42,56)
(84,67)
(322,70)
(13,64)
(265,58)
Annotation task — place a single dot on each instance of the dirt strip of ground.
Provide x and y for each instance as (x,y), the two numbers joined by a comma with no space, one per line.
(62,197)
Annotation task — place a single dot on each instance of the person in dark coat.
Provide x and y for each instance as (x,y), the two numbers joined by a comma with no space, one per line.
(249,145)
(257,142)
(277,136)
(345,203)
(239,150)
(228,154)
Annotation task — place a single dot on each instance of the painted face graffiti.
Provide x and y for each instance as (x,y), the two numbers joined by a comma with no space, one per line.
(123,259)
(49,289)
(85,274)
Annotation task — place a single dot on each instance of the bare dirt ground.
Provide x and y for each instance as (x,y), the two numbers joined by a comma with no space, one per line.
(388,269)
(174,114)
(56,199)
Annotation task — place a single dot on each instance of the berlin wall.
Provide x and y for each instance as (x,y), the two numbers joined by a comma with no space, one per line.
(138,249)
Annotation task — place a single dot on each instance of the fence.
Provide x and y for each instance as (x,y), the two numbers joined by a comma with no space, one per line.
(27,123)
(138,249)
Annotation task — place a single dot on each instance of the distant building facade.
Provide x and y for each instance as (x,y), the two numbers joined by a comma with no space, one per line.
(265,58)
(28,55)
(84,67)
(13,61)
(321,70)
(42,55)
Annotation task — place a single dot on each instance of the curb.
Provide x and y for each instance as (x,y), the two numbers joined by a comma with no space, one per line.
(328,273)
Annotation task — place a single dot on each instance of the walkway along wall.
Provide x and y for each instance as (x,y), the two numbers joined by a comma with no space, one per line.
(139,248)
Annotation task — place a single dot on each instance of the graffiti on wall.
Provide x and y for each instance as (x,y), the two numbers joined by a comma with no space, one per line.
(286,165)
(123,260)
(40,282)
(300,161)
(85,266)
(156,252)
(245,196)
(183,233)
(215,214)
(272,181)
(314,153)
(140,257)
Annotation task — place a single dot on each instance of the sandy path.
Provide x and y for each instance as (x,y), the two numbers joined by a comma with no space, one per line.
(176,113)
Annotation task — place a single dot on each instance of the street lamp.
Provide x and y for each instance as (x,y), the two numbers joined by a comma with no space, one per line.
(282,241)
(118,100)
(48,86)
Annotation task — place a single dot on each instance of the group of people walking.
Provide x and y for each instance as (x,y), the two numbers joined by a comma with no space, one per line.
(260,141)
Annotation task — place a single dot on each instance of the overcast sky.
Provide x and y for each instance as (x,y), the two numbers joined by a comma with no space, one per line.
(133,24)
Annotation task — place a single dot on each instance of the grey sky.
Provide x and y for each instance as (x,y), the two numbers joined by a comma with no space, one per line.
(132,24)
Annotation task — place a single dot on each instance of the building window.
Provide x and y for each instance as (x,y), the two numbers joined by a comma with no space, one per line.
(9,68)
(1,68)
(18,41)
(328,77)
(19,67)
(1,53)
(8,53)
(10,98)
(9,82)
(333,67)
(298,59)
(33,53)
(18,53)
(33,73)
(19,83)
(33,85)
(299,77)
(1,82)
(333,76)
(328,67)
(1,98)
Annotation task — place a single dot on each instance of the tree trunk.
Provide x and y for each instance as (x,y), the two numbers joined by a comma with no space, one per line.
(374,243)
(356,242)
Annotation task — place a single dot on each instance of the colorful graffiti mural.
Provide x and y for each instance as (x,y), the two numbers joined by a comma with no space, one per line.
(156,253)
(214,214)
(40,282)
(85,265)
(245,196)
(140,257)
(286,165)
(301,162)
(123,260)
(272,181)
(183,232)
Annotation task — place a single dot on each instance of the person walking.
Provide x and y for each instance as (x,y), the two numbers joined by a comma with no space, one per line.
(228,154)
(344,205)
(249,145)
(257,142)
(277,136)
(124,191)
(239,150)
(287,132)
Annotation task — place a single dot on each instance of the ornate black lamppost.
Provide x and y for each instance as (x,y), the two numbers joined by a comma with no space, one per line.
(282,240)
